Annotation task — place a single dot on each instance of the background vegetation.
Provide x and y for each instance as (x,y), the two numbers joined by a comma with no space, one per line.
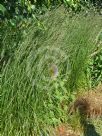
(27,8)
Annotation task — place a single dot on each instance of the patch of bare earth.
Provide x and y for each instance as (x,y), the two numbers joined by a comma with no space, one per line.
(64,130)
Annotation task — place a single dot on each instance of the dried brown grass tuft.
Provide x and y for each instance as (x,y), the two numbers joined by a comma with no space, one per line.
(89,103)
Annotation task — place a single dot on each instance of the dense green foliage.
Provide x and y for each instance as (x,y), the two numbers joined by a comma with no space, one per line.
(26,8)
(95,64)
(31,98)
(11,33)
(96,69)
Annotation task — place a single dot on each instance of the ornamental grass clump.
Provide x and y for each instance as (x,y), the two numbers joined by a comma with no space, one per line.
(30,97)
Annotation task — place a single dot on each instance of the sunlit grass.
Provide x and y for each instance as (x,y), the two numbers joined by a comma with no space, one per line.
(31,99)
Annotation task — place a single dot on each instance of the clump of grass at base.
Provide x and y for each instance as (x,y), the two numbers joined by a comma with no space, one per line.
(31,100)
